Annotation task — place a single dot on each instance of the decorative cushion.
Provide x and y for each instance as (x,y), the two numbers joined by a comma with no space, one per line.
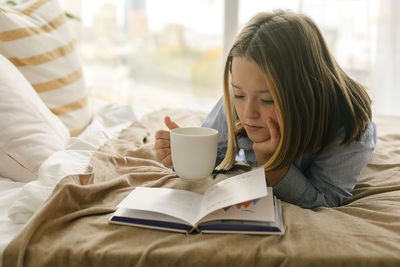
(36,38)
(30,132)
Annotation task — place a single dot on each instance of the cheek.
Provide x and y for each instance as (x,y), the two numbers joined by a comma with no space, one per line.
(269,112)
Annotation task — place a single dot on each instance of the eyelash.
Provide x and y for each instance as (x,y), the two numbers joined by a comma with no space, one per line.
(238,96)
(268,101)
(262,101)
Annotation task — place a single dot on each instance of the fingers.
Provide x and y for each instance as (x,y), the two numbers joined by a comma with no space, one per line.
(264,150)
(163,147)
(169,123)
(163,142)
(162,135)
(278,118)
(273,129)
(164,156)
(167,161)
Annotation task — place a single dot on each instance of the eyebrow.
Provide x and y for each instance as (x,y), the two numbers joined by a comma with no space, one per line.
(259,92)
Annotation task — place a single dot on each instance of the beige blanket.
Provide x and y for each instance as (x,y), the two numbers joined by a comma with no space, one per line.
(72,228)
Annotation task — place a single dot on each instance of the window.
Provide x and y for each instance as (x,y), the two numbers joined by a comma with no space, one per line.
(151,53)
(154,53)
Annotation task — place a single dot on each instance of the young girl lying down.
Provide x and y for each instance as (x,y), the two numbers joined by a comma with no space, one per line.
(288,106)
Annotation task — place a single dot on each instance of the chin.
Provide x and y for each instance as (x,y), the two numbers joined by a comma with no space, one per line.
(257,138)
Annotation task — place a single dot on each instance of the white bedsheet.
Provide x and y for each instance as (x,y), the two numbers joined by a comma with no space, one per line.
(19,201)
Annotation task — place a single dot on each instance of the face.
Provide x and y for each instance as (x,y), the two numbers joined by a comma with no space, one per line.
(252,99)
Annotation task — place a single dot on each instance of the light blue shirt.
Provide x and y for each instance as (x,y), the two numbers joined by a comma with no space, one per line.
(325,179)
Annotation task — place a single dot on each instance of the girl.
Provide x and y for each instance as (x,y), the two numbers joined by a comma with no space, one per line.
(295,112)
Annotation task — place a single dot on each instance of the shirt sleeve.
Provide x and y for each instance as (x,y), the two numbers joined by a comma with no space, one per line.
(330,177)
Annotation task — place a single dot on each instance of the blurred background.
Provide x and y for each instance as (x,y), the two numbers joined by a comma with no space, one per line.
(156,53)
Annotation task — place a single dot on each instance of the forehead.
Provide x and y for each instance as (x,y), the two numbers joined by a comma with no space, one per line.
(246,74)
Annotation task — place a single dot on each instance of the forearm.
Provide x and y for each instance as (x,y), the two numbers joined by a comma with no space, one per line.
(297,189)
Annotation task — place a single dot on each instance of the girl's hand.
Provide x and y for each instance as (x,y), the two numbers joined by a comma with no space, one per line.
(263,150)
(163,143)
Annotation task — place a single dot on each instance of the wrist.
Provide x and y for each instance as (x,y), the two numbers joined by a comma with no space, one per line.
(274,177)
(262,159)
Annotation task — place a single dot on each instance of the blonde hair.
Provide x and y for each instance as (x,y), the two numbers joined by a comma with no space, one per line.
(314,97)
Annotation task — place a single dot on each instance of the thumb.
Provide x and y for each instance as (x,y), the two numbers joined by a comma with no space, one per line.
(169,123)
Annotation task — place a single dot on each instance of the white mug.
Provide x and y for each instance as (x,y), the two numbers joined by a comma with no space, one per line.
(194,151)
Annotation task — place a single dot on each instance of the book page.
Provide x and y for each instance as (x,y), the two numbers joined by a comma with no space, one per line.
(258,210)
(236,189)
(173,202)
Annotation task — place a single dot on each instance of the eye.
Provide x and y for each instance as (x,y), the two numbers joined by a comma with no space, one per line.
(267,101)
(238,96)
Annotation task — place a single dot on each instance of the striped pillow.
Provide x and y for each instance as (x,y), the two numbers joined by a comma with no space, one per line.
(36,38)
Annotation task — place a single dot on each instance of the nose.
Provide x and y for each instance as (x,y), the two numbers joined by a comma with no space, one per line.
(251,109)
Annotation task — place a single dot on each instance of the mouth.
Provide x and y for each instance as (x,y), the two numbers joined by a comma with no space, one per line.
(251,128)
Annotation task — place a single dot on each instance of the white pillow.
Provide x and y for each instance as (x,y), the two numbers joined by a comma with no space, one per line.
(35,36)
(29,131)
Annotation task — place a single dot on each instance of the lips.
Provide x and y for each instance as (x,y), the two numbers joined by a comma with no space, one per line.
(251,128)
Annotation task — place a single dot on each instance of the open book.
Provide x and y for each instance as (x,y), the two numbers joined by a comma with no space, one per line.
(239,204)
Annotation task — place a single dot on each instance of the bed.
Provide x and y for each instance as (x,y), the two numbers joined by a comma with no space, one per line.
(58,190)
(61,219)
